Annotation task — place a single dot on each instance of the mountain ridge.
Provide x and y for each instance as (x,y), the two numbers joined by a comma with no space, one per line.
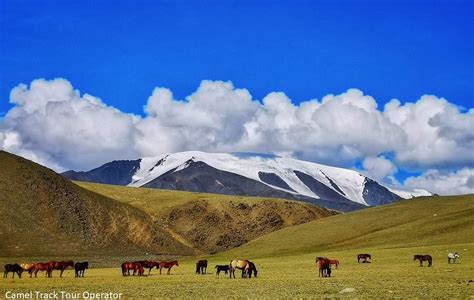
(251,174)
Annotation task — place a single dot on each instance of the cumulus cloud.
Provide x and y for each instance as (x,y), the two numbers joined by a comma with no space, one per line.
(52,123)
(444,183)
(380,168)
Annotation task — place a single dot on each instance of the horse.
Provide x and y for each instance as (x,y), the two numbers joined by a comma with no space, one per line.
(168,265)
(423,258)
(80,268)
(251,269)
(453,257)
(135,266)
(41,267)
(334,262)
(14,268)
(28,267)
(221,268)
(148,264)
(60,265)
(201,266)
(242,264)
(324,266)
(364,257)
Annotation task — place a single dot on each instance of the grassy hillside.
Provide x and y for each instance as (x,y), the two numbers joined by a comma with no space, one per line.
(408,223)
(211,222)
(43,214)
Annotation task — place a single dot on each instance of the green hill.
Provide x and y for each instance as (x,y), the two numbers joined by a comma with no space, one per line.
(417,222)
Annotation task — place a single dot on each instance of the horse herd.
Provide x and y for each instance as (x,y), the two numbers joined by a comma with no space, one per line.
(247,267)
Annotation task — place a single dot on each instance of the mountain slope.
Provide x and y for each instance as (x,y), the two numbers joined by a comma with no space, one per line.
(418,222)
(255,175)
(210,222)
(42,214)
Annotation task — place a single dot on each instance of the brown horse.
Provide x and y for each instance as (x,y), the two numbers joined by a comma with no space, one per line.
(13,268)
(41,267)
(245,265)
(422,258)
(61,266)
(168,265)
(148,264)
(324,266)
(364,258)
(334,262)
(134,266)
(201,266)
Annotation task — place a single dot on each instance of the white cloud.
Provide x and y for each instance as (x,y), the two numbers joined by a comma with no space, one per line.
(379,168)
(444,183)
(54,124)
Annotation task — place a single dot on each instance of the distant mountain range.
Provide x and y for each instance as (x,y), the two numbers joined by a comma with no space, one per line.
(249,174)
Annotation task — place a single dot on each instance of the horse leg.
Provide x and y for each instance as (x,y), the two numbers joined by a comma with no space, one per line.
(169,270)
(61,274)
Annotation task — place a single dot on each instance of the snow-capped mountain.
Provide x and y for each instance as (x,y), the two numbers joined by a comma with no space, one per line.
(249,174)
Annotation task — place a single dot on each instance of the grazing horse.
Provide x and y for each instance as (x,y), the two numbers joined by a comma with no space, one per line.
(251,269)
(80,268)
(453,257)
(324,266)
(27,267)
(364,258)
(168,265)
(148,264)
(41,267)
(334,262)
(60,265)
(14,268)
(201,266)
(423,258)
(135,266)
(221,268)
(245,265)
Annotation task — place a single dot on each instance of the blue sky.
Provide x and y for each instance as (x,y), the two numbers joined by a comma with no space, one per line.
(120,51)
(307,49)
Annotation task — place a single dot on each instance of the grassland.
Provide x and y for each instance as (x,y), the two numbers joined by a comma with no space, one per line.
(393,274)
(285,259)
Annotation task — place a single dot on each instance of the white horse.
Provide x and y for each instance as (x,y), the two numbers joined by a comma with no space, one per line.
(453,257)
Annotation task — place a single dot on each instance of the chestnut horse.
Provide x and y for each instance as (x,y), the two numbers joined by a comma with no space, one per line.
(168,265)
(60,265)
(148,264)
(365,257)
(334,262)
(245,265)
(41,267)
(201,266)
(13,268)
(422,258)
(324,266)
(135,266)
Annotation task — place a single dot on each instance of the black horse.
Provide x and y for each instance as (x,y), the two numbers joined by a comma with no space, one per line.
(221,268)
(252,269)
(14,268)
(80,268)
(201,266)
